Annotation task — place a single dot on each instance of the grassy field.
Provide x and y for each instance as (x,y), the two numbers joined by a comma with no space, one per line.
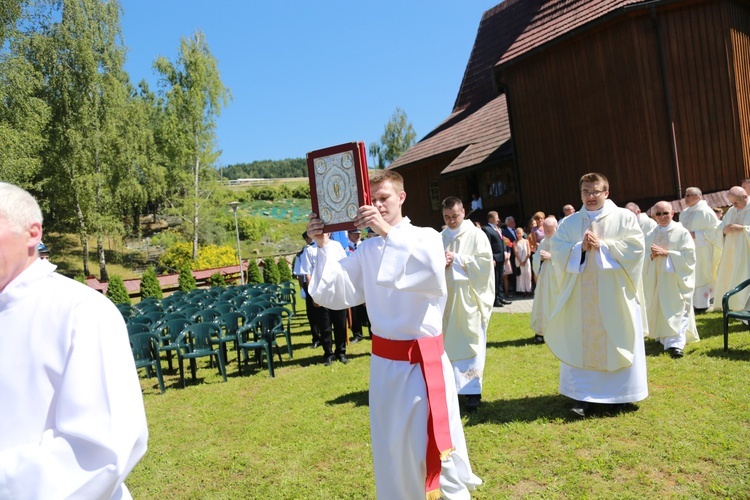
(305,433)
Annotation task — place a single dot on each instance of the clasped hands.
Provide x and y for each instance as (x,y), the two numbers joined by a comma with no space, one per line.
(657,251)
(590,242)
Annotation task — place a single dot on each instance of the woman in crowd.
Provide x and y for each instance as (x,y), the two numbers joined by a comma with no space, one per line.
(523,254)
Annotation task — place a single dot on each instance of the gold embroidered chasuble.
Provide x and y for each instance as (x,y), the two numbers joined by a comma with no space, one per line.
(668,285)
(594,324)
(470,294)
(734,267)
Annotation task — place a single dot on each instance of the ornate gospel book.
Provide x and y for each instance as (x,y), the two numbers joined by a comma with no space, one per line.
(339,184)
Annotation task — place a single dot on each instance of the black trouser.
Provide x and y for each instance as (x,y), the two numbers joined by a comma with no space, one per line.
(499,269)
(311,318)
(325,318)
(359,320)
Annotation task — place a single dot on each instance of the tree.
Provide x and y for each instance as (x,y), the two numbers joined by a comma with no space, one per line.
(285,273)
(270,271)
(193,98)
(253,273)
(186,280)
(217,279)
(116,290)
(398,136)
(150,286)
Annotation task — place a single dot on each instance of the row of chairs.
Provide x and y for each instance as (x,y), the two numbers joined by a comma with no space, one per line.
(252,326)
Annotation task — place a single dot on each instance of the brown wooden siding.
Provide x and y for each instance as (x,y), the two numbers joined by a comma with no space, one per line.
(599,103)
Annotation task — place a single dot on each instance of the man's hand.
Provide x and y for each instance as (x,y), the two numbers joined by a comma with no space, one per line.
(448,259)
(315,231)
(590,242)
(369,216)
(657,251)
(733,228)
(545,255)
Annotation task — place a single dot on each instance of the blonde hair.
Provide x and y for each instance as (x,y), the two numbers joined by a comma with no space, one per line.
(381,175)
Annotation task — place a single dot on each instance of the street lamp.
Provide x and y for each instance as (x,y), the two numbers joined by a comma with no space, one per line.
(234,205)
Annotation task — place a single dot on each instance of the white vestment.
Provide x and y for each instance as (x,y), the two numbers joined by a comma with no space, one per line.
(668,284)
(402,279)
(597,326)
(547,289)
(72,422)
(647,223)
(734,267)
(471,294)
(701,220)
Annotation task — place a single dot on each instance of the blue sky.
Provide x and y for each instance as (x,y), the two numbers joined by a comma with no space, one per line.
(305,75)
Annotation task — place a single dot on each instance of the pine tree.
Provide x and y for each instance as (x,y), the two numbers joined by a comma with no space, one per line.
(217,279)
(186,280)
(150,286)
(270,271)
(253,273)
(285,273)
(116,290)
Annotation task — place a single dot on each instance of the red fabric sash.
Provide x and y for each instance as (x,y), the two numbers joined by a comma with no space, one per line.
(427,352)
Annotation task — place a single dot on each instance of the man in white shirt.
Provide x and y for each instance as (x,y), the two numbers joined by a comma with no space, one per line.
(418,443)
(72,417)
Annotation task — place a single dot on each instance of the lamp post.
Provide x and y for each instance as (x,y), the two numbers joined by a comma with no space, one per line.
(234,205)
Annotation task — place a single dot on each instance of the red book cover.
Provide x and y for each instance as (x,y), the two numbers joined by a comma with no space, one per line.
(339,184)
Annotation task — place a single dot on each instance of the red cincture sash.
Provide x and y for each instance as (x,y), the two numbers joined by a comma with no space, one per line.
(427,352)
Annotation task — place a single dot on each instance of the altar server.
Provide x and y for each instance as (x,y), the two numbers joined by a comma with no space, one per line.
(547,290)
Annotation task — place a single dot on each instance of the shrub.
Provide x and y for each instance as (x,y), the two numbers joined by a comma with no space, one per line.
(270,271)
(217,279)
(150,286)
(80,277)
(251,228)
(253,273)
(186,280)
(116,290)
(285,273)
(181,254)
(301,192)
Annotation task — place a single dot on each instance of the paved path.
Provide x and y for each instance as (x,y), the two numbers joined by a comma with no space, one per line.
(519,305)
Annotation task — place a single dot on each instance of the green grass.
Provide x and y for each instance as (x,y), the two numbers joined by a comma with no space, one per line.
(305,434)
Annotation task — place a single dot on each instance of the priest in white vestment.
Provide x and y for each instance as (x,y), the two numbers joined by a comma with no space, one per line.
(598,324)
(646,222)
(669,281)
(72,421)
(418,443)
(470,278)
(703,224)
(547,289)
(734,267)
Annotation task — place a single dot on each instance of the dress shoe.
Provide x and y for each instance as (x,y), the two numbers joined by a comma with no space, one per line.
(580,408)
(675,352)
(315,344)
(538,339)
(473,401)
(343,358)
(355,339)
(505,302)
(328,361)
(497,304)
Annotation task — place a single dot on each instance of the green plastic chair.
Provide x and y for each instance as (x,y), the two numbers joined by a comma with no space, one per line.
(205,316)
(229,322)
(168,333)
(259,336)
(286,325)
(738,315)
(145,348)
(224,307)
(136,328)
(198,341)
(251,310)
(288,295)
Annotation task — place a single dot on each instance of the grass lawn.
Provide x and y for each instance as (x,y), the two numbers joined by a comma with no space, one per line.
(305,434)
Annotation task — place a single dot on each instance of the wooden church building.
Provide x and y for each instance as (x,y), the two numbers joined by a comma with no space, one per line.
(654,94)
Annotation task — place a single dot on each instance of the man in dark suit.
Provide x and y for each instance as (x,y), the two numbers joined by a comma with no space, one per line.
(509,231)
(498,255)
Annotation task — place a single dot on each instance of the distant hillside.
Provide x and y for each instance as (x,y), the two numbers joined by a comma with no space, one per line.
(267,169)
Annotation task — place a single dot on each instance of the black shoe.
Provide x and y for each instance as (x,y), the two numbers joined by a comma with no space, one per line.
(328,360)
(538,339)
(473,401)
(580,408)
(700,310)
(505,302)
(355,339)
(497,304)
(675,352)
(343,358)
(315,344)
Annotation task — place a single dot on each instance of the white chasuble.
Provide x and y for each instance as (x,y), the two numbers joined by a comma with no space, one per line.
(597,326)
(668,283)
(471,294)
(734,267)
(547,289)
(701,220)
(402,278)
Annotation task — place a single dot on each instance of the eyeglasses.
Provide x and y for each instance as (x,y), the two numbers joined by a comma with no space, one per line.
(585,193)
(690,194)
(659,214)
